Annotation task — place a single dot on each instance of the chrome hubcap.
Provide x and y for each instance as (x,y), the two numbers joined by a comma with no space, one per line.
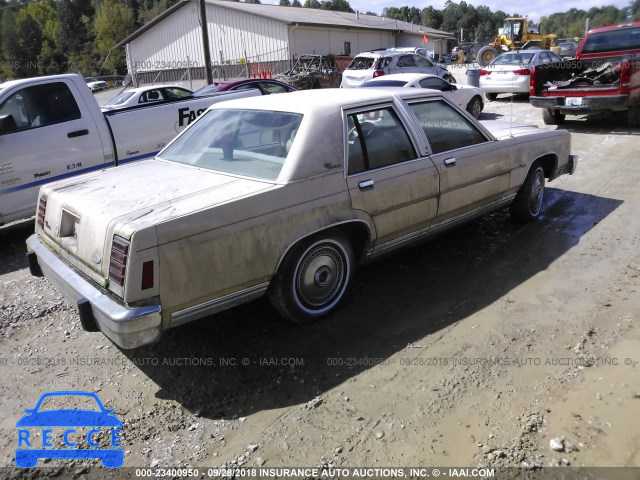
(320,276)
(537,193)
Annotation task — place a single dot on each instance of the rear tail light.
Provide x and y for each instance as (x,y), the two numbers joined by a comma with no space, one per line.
(625,77)
(42,208)
(378,73)
(522,71)
(485,72)
(118,263)
(532,82)
(147,275)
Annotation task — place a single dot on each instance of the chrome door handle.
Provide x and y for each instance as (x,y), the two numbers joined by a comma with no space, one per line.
(449,162)
(365,184)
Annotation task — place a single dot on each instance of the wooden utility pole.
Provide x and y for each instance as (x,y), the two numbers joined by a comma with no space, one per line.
(205,42)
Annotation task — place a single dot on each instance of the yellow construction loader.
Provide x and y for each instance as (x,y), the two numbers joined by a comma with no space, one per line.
(517,33)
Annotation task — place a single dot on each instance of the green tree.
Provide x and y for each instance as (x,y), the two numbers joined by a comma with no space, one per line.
(296,3)
(112,24)
(285,3)
(311,4)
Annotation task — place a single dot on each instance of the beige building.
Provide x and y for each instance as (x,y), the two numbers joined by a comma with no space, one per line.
(244,34)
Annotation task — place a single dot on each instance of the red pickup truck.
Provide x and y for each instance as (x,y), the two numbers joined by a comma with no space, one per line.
(604,76)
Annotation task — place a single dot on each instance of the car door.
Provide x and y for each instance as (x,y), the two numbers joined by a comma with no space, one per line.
(406,64)
(473,173)
(388,174)
(423,65)
(54,137)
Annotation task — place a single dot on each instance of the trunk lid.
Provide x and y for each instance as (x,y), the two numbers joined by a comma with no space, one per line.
(84,213)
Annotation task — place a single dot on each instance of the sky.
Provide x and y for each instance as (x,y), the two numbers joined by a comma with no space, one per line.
(533,10)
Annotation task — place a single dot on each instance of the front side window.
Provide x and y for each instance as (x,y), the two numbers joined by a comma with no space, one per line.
(377,139)
(423,62)
(175,93)
(435,83)
(405,61)
(445,128)
(269,88)
(41,105)
(250,143)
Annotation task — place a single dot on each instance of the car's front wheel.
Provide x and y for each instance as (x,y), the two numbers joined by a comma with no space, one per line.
(314,278)
(528,202)
(491,96)
(449,78)
(475,107)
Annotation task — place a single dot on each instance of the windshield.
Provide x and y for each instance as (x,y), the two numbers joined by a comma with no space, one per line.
(251,143)
(120,98)
(519,59)
(209,90)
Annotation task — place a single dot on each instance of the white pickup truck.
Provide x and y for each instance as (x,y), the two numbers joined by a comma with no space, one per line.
(52,128)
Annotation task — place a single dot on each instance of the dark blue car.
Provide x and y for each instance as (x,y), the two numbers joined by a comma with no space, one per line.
(104,418)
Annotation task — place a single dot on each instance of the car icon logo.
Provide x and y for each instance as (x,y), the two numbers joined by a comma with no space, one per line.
(73,422)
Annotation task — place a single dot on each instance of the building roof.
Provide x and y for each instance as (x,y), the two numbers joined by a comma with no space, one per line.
(308,17)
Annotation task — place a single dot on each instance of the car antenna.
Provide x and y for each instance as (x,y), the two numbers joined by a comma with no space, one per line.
(511,117)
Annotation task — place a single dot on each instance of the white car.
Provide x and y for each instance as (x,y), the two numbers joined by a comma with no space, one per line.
(465,96)
(369,65)
(147,95)
(510,72)
(283,195)
(96,85)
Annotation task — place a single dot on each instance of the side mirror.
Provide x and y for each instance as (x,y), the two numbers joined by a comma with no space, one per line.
(7,124)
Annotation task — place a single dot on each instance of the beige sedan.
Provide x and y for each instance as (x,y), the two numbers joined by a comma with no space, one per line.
(284,195)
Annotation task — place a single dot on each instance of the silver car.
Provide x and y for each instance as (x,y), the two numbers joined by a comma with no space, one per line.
(283,195)
(369,65)
(509,72)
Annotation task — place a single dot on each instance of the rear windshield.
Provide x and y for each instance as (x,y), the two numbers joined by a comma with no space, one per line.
(385,83)
(121,98)
(251,143)
(521,58)
(613,40)
(362,63)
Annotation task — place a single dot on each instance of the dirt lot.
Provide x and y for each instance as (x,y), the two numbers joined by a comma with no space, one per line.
(475,349)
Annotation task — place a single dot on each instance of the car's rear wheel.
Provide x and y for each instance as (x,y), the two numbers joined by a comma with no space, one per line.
(552,117)
(528,202)
(491,96)
(475,107)
(314,278)
(449,78)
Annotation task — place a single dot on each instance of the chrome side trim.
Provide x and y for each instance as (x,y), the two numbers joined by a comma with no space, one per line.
(211,307)
(440,227)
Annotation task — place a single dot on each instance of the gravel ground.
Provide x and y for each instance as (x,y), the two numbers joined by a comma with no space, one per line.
(494,345)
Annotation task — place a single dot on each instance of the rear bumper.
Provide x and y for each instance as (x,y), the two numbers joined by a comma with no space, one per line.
(589,104)
(126,327)
(568,168)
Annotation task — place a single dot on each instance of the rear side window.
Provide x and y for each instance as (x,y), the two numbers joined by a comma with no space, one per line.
(377,139)
(613,40)
(445,128)
(41,105)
